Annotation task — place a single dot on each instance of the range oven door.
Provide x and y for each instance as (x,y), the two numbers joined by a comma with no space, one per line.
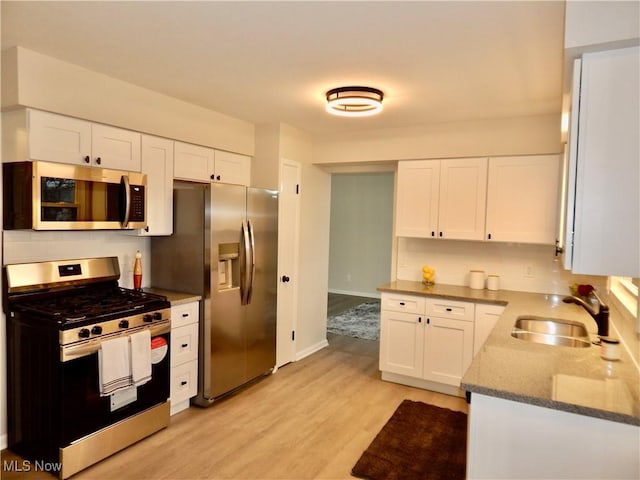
(71,197)
(85,412)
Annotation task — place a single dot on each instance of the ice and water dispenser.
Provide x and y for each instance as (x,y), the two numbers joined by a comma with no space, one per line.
(228,265)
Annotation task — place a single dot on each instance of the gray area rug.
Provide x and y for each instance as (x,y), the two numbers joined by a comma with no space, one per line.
(361,321)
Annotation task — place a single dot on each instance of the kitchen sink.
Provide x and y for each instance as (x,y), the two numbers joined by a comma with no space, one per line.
(551,331)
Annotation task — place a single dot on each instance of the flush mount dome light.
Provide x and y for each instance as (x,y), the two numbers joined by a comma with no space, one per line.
(354,101)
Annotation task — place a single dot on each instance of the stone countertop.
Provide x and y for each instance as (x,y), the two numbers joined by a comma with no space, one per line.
(176,298)
(570,379)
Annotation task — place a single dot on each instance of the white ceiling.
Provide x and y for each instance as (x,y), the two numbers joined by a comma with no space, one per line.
(273,61)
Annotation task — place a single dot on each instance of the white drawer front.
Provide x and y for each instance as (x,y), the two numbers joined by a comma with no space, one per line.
(184,344)
(184,382)
(403,303)
(184,314)
(451,309)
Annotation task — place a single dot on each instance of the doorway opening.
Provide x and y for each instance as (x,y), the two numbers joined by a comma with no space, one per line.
(360,246)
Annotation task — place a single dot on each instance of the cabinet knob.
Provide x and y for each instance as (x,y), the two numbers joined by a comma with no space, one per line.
(87,159)
(428,320)
(183,383)
(185,315)
(185,345)
(99,161)
(146,229)
(433,234)
(218,177)
(419,319)
(285,279)
(213,177)
(402,303)
(489,236)
(441,234)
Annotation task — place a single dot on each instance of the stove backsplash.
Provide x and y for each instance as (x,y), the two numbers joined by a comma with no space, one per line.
(20,246)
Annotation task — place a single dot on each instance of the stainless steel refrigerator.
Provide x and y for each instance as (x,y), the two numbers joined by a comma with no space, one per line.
(224,248)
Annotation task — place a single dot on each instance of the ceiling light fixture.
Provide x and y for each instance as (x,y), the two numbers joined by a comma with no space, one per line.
(354,101)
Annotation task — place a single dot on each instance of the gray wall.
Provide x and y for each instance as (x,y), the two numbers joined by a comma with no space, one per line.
(361,232)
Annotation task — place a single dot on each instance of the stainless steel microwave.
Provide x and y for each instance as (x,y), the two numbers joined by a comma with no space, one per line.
(58,196)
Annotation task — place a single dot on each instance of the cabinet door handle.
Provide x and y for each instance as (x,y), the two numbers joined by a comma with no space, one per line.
(441,234)
(402,303)
(433,234)
(183,382)
(217,177)
(419,319)
(185,315)
(489,237)
(185,345)
(448,309)
(428,320)
(87,159)
(99,161)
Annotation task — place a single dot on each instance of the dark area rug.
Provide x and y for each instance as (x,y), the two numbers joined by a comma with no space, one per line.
(420,442)
(361,321)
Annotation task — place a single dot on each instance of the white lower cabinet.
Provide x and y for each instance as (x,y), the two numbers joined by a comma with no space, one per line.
(485,319)
(184,355)
(426,342)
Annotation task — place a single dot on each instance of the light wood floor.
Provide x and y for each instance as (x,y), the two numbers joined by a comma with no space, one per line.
(310,420)
(338,303)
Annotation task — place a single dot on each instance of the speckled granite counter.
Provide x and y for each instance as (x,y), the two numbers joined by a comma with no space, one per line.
(574,380)
(176,298)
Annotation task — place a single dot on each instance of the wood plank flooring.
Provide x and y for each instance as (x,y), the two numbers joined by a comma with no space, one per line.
(312,419)
(338,303)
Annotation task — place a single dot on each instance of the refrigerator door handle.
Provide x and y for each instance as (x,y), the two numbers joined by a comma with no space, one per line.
(245,265)
(252,267)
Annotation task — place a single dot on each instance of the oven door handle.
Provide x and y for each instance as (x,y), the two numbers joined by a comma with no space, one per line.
(91,346)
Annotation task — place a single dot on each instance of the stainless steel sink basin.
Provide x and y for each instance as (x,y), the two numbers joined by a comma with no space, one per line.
(551,331)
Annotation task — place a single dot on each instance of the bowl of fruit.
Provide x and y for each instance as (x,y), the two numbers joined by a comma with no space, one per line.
(428,275)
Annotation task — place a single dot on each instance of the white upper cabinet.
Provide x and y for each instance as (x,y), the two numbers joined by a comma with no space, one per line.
(522,199)
(463,193)
(57,138)
(604,167)
(115,148)
(193,162)
(157,164)
(442,198)
(418,187)
(202,164)
(232,168)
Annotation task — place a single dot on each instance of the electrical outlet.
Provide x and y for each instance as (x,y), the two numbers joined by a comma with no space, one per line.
(528,271)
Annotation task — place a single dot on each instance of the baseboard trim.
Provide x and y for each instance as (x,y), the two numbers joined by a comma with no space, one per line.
(312,349)
(355,294)
(424,384)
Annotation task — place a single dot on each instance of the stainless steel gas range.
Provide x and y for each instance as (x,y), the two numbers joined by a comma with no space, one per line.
(60,316)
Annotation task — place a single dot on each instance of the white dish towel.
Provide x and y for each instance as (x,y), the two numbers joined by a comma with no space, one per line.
(141,357)
(114,365)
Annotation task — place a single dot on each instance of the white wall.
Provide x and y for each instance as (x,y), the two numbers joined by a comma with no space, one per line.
(452,260)
(39,81)
(490,137)
(361,232)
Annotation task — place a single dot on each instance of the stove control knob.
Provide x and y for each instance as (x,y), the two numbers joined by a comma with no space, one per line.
(157,316)
(84,333)
(147,318)
(97,330)
(123,324)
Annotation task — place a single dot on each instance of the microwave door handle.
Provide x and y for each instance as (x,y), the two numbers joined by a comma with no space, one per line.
(127,200)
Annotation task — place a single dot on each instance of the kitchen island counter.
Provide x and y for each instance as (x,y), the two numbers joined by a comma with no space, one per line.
(575,380)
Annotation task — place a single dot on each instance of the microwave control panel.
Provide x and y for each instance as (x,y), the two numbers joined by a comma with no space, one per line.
(136,213)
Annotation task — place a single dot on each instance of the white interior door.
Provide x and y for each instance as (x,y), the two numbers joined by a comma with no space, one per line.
(288,239)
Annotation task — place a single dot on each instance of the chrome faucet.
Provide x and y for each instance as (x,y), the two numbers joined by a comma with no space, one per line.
(601,316)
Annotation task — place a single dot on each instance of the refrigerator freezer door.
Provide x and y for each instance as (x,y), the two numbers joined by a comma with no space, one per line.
(228,326)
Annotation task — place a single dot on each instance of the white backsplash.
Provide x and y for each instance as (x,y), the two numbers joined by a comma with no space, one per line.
(25,246)
(521,267)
